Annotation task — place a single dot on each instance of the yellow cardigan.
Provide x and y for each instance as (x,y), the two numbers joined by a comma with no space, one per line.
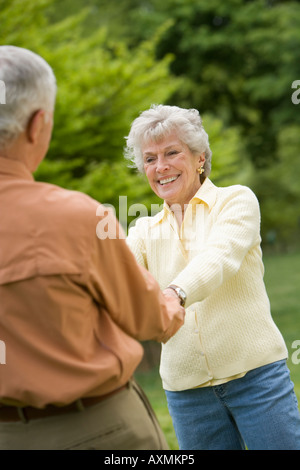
(215,257)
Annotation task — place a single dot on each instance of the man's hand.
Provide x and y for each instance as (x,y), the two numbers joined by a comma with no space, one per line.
(168,292)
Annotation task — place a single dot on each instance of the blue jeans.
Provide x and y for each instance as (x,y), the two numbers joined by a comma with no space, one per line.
(258,411)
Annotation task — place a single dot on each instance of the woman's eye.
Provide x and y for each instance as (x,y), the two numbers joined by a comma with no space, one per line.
(173,152)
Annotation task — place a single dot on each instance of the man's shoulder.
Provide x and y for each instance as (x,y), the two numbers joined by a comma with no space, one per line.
(64,200)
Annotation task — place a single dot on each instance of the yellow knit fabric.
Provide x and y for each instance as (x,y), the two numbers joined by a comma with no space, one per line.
(215,257)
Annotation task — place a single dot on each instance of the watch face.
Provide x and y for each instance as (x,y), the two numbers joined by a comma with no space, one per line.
(181,295)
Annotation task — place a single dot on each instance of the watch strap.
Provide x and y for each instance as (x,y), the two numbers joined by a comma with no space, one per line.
(181,294)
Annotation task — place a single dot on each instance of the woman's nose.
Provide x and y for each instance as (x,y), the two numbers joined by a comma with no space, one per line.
(162,165)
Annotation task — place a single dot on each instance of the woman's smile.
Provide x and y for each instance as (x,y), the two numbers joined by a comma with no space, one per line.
(167,180)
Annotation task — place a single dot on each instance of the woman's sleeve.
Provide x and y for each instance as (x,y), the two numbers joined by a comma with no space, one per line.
(136,243)
(235,231)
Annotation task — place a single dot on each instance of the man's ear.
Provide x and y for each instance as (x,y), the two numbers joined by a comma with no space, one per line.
(35,125)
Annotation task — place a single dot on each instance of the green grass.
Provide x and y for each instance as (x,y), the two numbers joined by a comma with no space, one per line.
(282,279)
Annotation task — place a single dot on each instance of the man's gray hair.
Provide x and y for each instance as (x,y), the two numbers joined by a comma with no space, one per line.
(160,121)
(30,85)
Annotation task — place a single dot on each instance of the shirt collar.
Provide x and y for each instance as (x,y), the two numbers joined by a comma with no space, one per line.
(14,168)
(206,193)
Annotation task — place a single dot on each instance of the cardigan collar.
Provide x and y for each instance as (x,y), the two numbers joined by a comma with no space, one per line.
(206,194)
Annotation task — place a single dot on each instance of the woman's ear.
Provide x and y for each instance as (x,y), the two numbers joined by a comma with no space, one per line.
(202,158)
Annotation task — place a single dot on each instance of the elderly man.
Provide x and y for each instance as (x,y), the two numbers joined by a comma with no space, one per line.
(74,305)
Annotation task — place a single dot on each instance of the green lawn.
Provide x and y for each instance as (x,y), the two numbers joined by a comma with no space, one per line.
(282,279)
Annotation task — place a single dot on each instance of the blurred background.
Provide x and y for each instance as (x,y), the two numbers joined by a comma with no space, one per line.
(234,61)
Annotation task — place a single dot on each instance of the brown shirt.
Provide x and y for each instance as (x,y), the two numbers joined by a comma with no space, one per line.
(71,304)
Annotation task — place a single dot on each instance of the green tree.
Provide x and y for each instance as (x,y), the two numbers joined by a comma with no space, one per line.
(279,186)
(238,60)
(102,86)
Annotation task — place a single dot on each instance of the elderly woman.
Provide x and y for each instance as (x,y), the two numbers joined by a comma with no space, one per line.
(224,372)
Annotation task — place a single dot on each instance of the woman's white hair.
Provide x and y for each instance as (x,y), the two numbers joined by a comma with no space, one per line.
(160,121)
(29,84)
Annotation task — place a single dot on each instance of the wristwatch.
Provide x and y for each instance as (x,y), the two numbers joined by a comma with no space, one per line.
(181,294)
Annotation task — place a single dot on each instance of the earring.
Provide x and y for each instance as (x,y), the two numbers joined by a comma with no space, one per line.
(200,170)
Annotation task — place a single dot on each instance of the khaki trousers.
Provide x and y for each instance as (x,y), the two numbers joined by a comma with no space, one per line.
(124,421)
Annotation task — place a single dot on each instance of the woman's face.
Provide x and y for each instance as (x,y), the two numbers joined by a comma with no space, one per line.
(171,169)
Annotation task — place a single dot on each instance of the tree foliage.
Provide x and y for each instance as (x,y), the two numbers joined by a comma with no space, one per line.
(102,86)
(238,60)
(233,61)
